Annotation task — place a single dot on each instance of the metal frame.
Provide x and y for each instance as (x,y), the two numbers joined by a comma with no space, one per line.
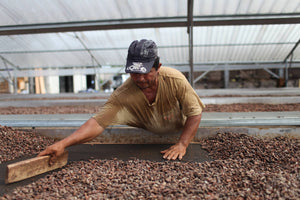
(214,20)
(184,67)
(190,24)
(12,80)
(290,55)
(188,21)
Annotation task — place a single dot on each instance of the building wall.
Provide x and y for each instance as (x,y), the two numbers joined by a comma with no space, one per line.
(52,84)
(79,83)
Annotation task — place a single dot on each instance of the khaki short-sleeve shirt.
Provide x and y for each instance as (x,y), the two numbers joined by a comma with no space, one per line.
(175,101)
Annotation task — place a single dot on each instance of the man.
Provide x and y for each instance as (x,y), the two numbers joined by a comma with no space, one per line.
(155,98)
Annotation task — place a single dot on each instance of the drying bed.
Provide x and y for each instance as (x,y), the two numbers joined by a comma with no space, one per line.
(16,143)
(242,167)
(91,109)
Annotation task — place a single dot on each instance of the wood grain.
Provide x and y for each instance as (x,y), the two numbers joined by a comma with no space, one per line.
(32,167)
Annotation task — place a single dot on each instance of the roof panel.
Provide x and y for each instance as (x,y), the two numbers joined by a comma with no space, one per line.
(15,12)
(235,7)
(44,60)
(39,42)
(251,43)
(232,43)
(219,44)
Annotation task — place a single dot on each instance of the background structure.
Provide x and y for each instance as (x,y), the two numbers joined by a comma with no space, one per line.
(56,46)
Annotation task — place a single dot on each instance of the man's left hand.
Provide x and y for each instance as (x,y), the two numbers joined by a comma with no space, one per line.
(176,151)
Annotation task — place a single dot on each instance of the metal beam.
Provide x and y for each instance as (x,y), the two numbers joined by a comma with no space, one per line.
(185,65)
(190,35)
(160,47)
(226,78)
(10,79)
(87,49)
(61,72)
(203,74)
(198,67)
(114,70)
(190,10)
(181,21)
(272,73)
(7,61)
(246,20)
(7,69)
(93,25)
(292,51)
(6,78)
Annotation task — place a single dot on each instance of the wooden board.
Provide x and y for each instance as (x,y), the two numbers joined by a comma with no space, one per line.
(32,167)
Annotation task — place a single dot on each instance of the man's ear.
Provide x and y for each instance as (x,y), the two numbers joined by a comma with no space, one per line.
(159,65)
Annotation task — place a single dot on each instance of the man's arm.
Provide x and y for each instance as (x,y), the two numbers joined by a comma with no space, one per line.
(189,131)
(88,131)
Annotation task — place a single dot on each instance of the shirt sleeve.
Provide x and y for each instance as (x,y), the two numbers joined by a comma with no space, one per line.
(189,100)
(106,116)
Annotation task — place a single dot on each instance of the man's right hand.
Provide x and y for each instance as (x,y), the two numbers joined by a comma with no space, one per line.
(54,150)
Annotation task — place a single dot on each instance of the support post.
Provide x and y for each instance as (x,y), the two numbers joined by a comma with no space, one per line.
(190,32)
(15,85)
(31,85)
(287,70)
(191,57)
(226,78)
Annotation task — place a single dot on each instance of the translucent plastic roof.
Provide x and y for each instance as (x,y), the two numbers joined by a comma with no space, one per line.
(46,11)
(36,11)
(227,43)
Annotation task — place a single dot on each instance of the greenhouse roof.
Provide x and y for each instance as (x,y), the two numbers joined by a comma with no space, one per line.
(70,34)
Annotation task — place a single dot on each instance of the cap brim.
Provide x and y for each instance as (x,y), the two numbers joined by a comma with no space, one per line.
(139,67)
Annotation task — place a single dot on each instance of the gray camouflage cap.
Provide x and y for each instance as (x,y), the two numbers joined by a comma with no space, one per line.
(141,56)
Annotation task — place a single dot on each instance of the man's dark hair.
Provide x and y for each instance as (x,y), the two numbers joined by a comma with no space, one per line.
(156,63)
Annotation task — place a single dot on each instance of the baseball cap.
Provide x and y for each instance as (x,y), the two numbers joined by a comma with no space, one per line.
(141,56)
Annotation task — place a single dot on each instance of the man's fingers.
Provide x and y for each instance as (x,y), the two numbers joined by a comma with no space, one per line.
(174,156)
(173,153)
(166,154)
(170,155)
(50,152)
(43,153)
(164,151)
(52,160)
(180,156)
(47,151)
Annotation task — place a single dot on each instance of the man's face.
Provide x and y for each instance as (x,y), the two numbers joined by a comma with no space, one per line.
(144,81)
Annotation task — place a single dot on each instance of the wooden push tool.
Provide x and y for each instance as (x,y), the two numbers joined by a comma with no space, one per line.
(32,167)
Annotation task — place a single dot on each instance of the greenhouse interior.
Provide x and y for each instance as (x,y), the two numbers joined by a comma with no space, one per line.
(220,119)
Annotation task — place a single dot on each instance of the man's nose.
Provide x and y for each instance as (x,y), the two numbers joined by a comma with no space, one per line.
(140,77)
